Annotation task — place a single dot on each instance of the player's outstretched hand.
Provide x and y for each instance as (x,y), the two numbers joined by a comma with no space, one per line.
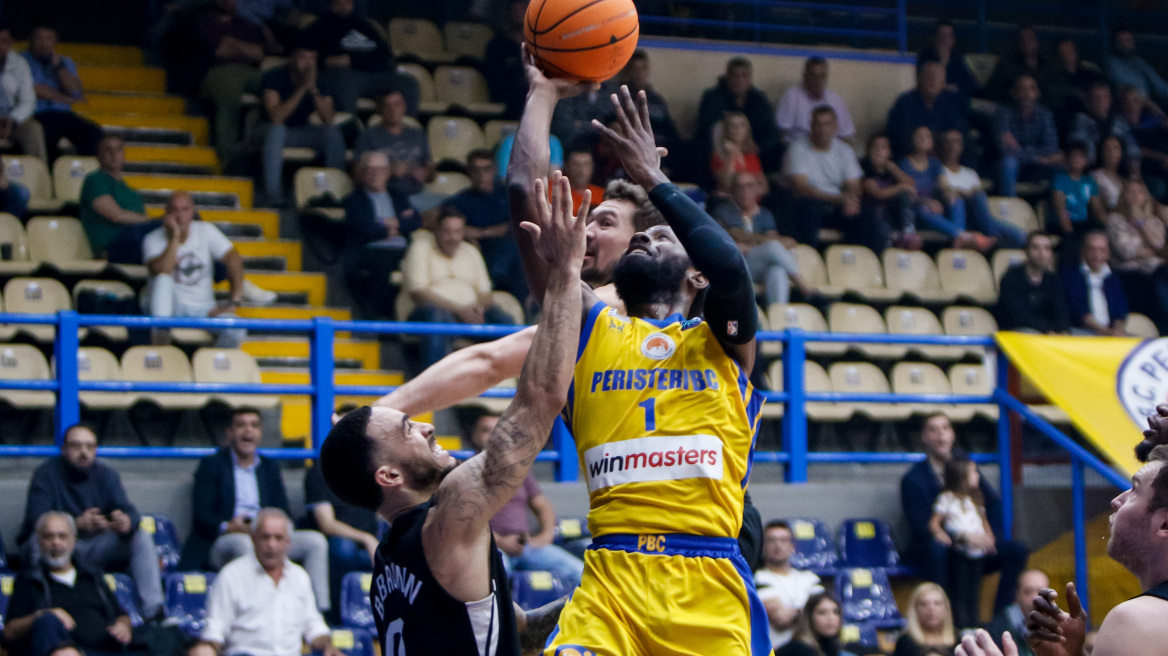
(1156,434)
(559,236)
(1053,632)
(562,88)
(633,139)
(980,643)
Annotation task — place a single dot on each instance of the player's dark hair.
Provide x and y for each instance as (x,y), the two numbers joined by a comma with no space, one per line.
(1160,483)
(646,215)
(347,460)
(776,523)
(345,408)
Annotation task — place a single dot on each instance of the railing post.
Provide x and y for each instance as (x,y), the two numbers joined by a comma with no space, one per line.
(795,417)
(567,468)
(902,25)
(1005,451)
(322,366)
(1078,508)
(68,408)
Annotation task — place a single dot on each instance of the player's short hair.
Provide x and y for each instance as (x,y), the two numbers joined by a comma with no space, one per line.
(347,461)
(777,523)
(1160,483)
(646,215)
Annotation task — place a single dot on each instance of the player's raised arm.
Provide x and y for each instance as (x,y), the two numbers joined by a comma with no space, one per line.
(730,308)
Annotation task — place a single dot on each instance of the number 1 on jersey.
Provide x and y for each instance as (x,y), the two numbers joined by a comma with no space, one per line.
(650,414)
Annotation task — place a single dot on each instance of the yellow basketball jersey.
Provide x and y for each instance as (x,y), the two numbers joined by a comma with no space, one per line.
(664,422)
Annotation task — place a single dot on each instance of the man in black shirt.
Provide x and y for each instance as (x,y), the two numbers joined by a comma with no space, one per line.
(59,607)
(1032,297)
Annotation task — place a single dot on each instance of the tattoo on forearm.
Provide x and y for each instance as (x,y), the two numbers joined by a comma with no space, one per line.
(540,623)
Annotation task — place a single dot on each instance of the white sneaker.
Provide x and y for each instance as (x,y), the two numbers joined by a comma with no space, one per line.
(257,296)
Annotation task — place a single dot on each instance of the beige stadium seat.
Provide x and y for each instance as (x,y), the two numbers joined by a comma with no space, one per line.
(310,182)
(33,174)
(68,175)
(903,320)
(927,378)
(495,130)
(1004,258)
(850,318)
(915,274)
(106,287)
(466,87)
(511,305)
(36,296)
(218,365)
(99,364)
(814,271)
(815,379)
(427,94)
(448,183)
(24,362)
(969,321)
(856,269)
(467,39)
(806,318)
(12,232)
(161,364)
(418,37)
(61,241)
(452,138)
(967,275)
(1141,326)
(1016,212)
(974,380)
(866,378)
(769,349)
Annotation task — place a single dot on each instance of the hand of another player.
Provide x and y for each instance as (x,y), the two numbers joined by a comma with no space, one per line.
(560,88)
(559,236)
(1053,632)
(633,139)
(980,643)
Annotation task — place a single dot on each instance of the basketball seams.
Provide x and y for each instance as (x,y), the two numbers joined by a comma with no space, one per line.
(598,46)
(537,31)
(582,29)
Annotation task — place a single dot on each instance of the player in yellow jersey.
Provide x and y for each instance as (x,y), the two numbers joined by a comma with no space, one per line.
(664,419)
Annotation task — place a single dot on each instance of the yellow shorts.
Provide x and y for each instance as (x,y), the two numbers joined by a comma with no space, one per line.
(662,595)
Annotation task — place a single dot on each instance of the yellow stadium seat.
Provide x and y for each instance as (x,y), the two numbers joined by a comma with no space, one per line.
(12,232)
(1141,326)
(850,318)
(922,378)
(1004,258)
(98,364)
(974,380)
(418,37)
(218,365)
(857,269)
(915,274)
(452,138)
(24,362)
(106,287)
(448,183)
(815,379)
(68,175)
(1014,211)
(495,130)
(919,321)
(311,182)
(866,378)
(806,318)
(813,270)
(161,364)
(33,174)
(61,241)
(467,39)
(36,296)
(966,275)
(466,87)
(510,305)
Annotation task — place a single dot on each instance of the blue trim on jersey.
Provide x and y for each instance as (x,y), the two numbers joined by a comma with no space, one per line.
(752,411)
(661,323)
(743,381)
(760,637)
(586,329)
(556,630)
(670,544)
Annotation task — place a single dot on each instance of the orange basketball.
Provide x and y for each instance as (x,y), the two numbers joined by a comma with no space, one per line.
(587,40)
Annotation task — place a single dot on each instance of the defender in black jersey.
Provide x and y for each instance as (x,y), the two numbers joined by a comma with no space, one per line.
(438,580)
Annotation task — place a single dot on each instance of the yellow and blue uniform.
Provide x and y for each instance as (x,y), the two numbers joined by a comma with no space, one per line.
(664,422)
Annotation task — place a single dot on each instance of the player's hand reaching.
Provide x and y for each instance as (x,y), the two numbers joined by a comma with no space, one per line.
(633,139)
(559,236)
(561,88)
(1053,632)
(980,643)
(1156,434)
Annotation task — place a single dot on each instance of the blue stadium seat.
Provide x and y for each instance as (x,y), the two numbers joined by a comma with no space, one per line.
(866,598)
(865,635)
(353,642)
(127,595)
(867,543)
(814,548)
(534,588)
(6,582)
(165,539)
(356,612)
(186,599)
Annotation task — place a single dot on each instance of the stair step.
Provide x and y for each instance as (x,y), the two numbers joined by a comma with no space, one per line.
(94,54)
(123,78)
(299,376)
(199,156)
(147,128)
(265,264)
(367,352)
(304,363)
(267,221)
(312,286)
(165,168)
(282,298)
(296,415)
(288,249)
(296,313)
(216,190)
(132,103)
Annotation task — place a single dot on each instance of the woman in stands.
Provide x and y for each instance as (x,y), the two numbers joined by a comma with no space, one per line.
(1111,172)
(935,208)
(819,629)
(887,206)
(964,186)
(734,152)
(930,624)
(1138,229)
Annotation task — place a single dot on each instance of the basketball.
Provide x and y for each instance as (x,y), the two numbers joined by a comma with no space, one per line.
(586,40)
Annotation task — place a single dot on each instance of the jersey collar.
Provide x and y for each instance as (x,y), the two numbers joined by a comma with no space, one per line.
(669,320)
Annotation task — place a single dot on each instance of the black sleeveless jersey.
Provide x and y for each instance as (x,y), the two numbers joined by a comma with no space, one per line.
(1159,591)
(416,616)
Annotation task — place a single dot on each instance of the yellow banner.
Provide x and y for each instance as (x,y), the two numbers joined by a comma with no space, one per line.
(1108,385)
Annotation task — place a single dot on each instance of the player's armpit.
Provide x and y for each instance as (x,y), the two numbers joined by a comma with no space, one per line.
(536,625)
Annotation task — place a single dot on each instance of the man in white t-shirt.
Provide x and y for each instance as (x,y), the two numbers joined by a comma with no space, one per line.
(794,112)
(825,177)
(783,589)
(180,256)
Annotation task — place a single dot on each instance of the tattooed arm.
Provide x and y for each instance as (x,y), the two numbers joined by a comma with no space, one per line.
(536,625)
(456,536)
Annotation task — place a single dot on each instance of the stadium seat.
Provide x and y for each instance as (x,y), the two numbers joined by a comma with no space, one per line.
(534,588)
(452,138)
(219,365)
(867,543)
(814,548)
(161,364)
(1004,258)
(427,95)
(186,599)
(311,183)
(866,597)
(448,183)
(850,318)
(974,380)
(571,528)
(903,320)
(12,232)
(127,595)
(353,642)
(165,539)
(969,321)
(33,174)
(110,288)
(768,348)
(61,241)
(356,611)
(1141,326)
(36,296)
(915,274)
(495,130)
(866,378)
(864,634)
(815,379)
(467,39)
(806,318)
(7,581)
(465,87)
(966,275)
(418,38)
(814,271)
(98,364)
(24,362)
(68,175)
(1016,212)
(927,378)
(856,269)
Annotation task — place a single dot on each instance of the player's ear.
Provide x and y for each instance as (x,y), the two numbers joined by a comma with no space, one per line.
(388,476)
(696,279)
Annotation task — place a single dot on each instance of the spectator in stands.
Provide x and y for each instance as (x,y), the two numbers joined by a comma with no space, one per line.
(1069,83)
(964,185)
(578,169)
(355,59)
(1096,121)
(180,257)
(783,589)
(887,207)
(18,100)
(794,112)
(261,603)
(1013,618)
(825,177)
(503,61)
(1031,297)
(80,485)
(1125,68)
(920,487)
(734,152)
(636,76)
(555,160)
(572,120)
(57,87)
(959,521)
(13,195)
(447,279)
(754,229)
(263,12)
(231,486)
(943,49)
(820,627)
(378,221)
(522,549)
(291,96)
(935,207)
(407,147)
(110,207)
(1148,130)
(61,604)
(930,629)
(735,92)
(1137,229)
(1027,138)
(1111,173)
(1026,59)
(929,104)
(487,215)
(1075,199)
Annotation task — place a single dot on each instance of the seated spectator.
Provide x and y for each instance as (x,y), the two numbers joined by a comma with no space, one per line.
(229,51)
(261,603)
(734,152)
(887,208)
(486,211)
(578,169)
(1012,618)
(1096,121)
(825,177)
(447,279)
(932,201)
(61,604)
(555,161)
(754,230)
(264,12)
(964,185)
(377,223)
(930,104)
(180,256)
(1125,68)
(572,119)
(1069,84)
(783,590)
(355,59)
(1031,297)
(57,87)
(930,629)
(106,529)
(407,147)
(1075,199)
(521,548)
(112,213)
(231,486)
(919,489)
(1111,172)
(18,100)
(735,92)
(1027,139)
(503,62)
(794,112)
(291,96)
(1027,59)
(636,76)
(1148,130)
(13,195)
(959,521)
(820,627)
(943,48)
(1137,229)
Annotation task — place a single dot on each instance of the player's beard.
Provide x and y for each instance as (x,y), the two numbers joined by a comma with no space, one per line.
(641,280)
(426,473)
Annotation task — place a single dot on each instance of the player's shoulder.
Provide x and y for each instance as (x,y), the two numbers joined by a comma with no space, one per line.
(1136,621)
